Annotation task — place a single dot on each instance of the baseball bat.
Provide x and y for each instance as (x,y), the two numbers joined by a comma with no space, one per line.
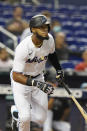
(82,111)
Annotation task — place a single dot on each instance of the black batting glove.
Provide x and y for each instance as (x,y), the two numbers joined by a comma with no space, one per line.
(59,76)
(45,87)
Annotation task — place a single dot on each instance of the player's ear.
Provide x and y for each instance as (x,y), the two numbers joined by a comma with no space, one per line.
(33,30)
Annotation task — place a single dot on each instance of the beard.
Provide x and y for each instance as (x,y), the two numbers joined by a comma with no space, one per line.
(41,37)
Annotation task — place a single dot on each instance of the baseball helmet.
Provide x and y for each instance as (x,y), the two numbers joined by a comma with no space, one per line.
(38,21)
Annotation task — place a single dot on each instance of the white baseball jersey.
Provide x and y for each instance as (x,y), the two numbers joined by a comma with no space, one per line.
(31,60)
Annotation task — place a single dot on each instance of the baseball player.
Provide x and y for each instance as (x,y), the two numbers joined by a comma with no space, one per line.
(29,89)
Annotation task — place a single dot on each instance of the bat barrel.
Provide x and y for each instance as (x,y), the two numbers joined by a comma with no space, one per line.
(83,112)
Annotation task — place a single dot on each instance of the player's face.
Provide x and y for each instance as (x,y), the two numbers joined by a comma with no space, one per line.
(42,31)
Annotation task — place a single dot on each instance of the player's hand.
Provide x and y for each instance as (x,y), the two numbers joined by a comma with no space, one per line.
(60,76)
(45,87)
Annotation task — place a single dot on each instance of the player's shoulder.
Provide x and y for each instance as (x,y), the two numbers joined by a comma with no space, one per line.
(51,39)
(26,39)
(50,36)
(24,43)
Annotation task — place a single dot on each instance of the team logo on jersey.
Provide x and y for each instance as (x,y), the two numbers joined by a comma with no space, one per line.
(36,59)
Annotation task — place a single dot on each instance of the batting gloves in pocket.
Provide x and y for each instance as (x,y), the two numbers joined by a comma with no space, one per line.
(45,87)
(59,76)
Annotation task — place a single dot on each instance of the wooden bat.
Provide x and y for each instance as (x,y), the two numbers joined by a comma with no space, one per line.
(82,111)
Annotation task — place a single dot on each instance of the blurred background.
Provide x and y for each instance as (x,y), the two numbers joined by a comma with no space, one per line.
(69,29)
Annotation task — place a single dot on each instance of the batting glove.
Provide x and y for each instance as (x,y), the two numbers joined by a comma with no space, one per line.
(45,87)
(59,76)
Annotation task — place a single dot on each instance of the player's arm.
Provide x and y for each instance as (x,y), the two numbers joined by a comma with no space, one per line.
(55,62)
(20,78)
(20,58)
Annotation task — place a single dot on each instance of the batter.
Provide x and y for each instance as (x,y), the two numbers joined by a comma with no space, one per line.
(29,89)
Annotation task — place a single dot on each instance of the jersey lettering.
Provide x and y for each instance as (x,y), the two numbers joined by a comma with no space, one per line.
(35,59)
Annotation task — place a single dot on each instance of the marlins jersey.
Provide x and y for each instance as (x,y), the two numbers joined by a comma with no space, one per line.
(31,60)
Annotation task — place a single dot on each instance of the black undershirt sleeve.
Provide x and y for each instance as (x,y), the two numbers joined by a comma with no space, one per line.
(54,61)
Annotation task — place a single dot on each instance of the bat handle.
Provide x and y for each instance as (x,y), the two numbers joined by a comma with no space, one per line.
(66,87)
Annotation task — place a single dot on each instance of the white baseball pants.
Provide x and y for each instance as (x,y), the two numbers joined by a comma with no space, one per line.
(31,103)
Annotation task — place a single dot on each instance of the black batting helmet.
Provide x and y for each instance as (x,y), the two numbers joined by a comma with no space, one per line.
(38,21)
